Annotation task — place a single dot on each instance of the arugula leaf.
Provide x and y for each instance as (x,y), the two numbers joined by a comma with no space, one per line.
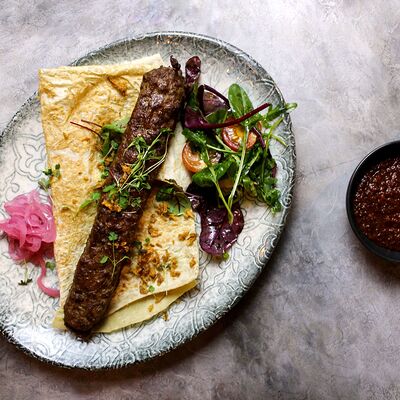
(197,138)
(193,101)
(111,135)
(239,100)
(260,177)
(116,127)
(136,202)
(269,194)
(275,112)
(249,186)
(217,116)
(165,193)
(241,105)
(114,144)
(109,188)
(206,177)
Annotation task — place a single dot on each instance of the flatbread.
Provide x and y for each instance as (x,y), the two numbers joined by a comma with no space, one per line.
(102,94)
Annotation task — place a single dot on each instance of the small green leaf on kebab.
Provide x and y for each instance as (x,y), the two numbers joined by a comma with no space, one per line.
(112,237)
(104,259)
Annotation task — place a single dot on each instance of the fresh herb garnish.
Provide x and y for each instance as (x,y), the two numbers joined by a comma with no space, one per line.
(119,192)
(105,173)
(26,280)
(137,244)
(109,188)
(95,196)
(104,259)
(151,289)
(137,178)
(112,237)
(45,183)
(111,136)
(56,173)
(51,265)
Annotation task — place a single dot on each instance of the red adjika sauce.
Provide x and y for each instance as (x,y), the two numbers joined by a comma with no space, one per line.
(376,204)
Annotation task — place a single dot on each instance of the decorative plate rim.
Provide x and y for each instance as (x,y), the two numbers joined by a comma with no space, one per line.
(291,183)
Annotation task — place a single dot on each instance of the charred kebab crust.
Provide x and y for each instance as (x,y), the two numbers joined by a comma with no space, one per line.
(112,236)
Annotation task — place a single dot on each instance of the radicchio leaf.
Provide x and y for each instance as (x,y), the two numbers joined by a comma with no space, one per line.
(217,234)
(192,72)
(218,94)
(210,100)
(200,197)
(194,120)
(174,63)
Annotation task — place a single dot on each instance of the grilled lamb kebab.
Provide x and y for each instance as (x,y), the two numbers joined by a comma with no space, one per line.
(139,156)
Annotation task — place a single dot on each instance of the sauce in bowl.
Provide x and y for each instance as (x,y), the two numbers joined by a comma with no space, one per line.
(376,204)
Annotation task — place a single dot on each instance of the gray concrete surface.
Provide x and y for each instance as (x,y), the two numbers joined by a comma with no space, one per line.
(322,321)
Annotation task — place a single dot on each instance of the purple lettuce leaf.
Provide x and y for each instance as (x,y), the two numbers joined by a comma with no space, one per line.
(217,234)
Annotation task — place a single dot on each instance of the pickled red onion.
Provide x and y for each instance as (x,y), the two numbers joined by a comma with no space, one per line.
(31,233)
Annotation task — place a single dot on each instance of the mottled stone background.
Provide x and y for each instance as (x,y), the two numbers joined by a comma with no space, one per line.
(322,321)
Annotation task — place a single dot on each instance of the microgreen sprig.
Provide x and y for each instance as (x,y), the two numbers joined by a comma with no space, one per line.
(137,178)
(113,237)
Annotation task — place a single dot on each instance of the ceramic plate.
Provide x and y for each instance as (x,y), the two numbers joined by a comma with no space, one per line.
(26,313)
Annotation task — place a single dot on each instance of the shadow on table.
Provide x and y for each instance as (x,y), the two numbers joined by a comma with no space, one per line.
(381,270)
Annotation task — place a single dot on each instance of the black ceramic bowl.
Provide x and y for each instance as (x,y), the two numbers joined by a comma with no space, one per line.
(381,153)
